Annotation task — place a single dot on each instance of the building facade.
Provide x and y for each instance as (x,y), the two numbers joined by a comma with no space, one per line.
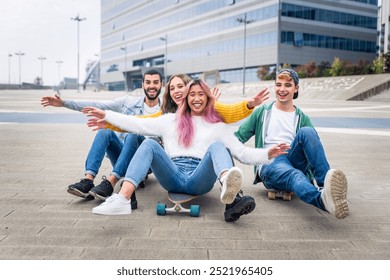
(228,40)
(383,27)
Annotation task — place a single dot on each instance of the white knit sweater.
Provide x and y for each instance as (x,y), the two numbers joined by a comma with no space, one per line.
(205,134)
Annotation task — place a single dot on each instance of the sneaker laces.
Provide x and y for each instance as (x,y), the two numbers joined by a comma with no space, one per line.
(105,180)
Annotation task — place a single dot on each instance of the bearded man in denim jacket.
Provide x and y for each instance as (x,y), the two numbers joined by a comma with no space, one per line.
(119,147)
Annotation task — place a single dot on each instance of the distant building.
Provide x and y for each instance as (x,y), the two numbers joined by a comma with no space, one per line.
(383,27)
(206,38)
(69,83)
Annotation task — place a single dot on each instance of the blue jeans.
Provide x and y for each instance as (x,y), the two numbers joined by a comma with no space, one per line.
(119,152)
(181,174)
(287,172)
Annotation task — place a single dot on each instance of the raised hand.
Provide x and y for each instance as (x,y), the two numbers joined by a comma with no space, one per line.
(259,98)
(55,101)
(216,93)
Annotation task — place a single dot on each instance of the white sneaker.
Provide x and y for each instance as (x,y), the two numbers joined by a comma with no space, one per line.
(116,204)
(334,193)
(231,185)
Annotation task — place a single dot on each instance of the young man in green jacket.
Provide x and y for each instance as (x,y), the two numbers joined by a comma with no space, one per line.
(281,121)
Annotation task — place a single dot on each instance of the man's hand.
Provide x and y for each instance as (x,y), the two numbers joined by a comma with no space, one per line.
(55,101)
(258,99)
(277,150)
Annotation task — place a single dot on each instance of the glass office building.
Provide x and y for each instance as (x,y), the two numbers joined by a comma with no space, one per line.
(219,39)
(383,27)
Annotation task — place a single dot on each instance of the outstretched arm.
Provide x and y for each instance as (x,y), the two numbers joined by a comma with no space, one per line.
(144,126)
(97,123)
(235,112)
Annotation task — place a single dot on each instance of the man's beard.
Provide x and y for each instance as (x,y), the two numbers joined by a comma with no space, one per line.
(152,98)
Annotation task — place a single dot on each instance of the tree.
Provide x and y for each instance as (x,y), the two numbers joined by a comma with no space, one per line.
(262,72)
(308,70)
(378,65)
(336,68)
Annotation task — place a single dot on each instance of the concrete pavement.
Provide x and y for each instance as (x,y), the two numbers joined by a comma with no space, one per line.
(44,152)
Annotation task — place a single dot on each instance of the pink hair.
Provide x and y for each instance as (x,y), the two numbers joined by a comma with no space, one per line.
(185,126)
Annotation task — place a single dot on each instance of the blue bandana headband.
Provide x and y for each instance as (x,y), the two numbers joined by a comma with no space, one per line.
(293,75)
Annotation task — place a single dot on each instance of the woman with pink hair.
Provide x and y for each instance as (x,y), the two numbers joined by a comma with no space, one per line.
(194,155)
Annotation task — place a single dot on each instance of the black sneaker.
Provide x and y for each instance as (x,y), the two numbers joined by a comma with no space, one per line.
(134,203)
(81,188)
(241,205)
(143,182)
(103,190)
(133,199)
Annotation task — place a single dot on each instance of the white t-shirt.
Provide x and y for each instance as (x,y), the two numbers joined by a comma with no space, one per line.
(281,128)
(151,110)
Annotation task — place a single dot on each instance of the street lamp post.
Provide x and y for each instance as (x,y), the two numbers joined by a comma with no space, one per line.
(78,19)
(245,22)
(165,39)
(98,74)
(20,75)
(41,58)
(9,68)
(59,71)
(125,50)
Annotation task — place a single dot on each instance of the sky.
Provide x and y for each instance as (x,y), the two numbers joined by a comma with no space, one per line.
(43,28)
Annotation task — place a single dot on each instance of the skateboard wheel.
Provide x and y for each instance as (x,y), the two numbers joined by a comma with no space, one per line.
(287,196)
(271,195)
(194,210)
(160,209)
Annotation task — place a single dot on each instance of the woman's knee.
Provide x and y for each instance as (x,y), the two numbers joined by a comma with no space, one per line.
(217,146)
(150,143)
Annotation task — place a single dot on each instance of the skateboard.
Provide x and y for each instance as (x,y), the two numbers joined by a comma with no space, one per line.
(178,199)
(273,194)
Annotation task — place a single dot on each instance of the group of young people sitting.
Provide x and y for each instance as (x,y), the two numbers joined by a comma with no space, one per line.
(185,141)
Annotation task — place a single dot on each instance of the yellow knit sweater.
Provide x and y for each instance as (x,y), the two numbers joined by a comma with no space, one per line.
(231,113)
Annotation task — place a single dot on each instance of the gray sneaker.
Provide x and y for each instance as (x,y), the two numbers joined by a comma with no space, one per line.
(334,193)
